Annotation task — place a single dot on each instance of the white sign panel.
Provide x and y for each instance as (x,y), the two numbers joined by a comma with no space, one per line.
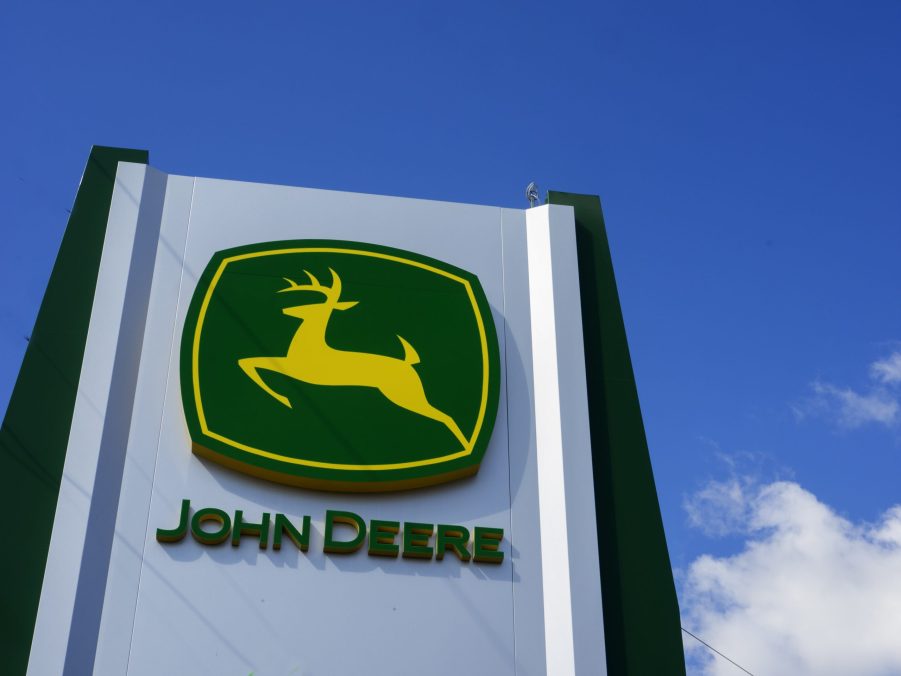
(290,359)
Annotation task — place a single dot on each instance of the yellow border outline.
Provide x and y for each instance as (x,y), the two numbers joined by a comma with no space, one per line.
(195,360)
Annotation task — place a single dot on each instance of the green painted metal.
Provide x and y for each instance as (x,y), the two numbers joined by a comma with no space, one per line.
(35,430)
(641,611)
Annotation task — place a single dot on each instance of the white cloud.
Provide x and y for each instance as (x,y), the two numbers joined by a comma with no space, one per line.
(810,593)
(879,403)
(852,409)
(719,508)
(887,370)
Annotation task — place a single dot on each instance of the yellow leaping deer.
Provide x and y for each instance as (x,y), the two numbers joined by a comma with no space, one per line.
(311,360)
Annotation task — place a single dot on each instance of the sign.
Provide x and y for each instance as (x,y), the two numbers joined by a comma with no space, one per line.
(382,376)
(275,430)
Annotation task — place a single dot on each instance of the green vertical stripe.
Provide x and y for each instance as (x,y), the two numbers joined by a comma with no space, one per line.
(641,613)
(35,431)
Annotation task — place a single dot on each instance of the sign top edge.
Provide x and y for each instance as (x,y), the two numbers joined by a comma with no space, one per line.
(349,193)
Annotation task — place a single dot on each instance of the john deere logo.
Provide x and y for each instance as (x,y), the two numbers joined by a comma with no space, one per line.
(339,365)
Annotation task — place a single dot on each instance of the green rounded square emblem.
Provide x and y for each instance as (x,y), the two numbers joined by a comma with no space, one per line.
(340,366)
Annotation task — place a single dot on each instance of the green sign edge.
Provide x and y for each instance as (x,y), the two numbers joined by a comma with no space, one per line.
(35,431)
(642,626)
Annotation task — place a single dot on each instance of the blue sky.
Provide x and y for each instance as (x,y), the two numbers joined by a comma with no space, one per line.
(748,158)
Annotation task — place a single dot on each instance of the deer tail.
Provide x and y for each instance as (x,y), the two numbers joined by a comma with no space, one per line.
(410,355)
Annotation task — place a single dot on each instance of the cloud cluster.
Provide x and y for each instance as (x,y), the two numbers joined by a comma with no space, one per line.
(848,408)
(810,593)
(852,409)
(720,507)
(887,370)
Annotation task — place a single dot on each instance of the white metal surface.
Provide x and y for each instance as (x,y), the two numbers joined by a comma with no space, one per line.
(581,526)
(138,192)
(132,526)
(573,613)
(188,609)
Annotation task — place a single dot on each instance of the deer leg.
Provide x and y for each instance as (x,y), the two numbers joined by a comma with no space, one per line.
(448,422)
(409,394)
(250,366)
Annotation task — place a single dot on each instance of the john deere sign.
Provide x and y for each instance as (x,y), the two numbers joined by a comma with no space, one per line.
(339,365)
(208,349)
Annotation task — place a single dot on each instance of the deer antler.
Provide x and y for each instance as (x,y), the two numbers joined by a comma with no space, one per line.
(336,284)
(332,292)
